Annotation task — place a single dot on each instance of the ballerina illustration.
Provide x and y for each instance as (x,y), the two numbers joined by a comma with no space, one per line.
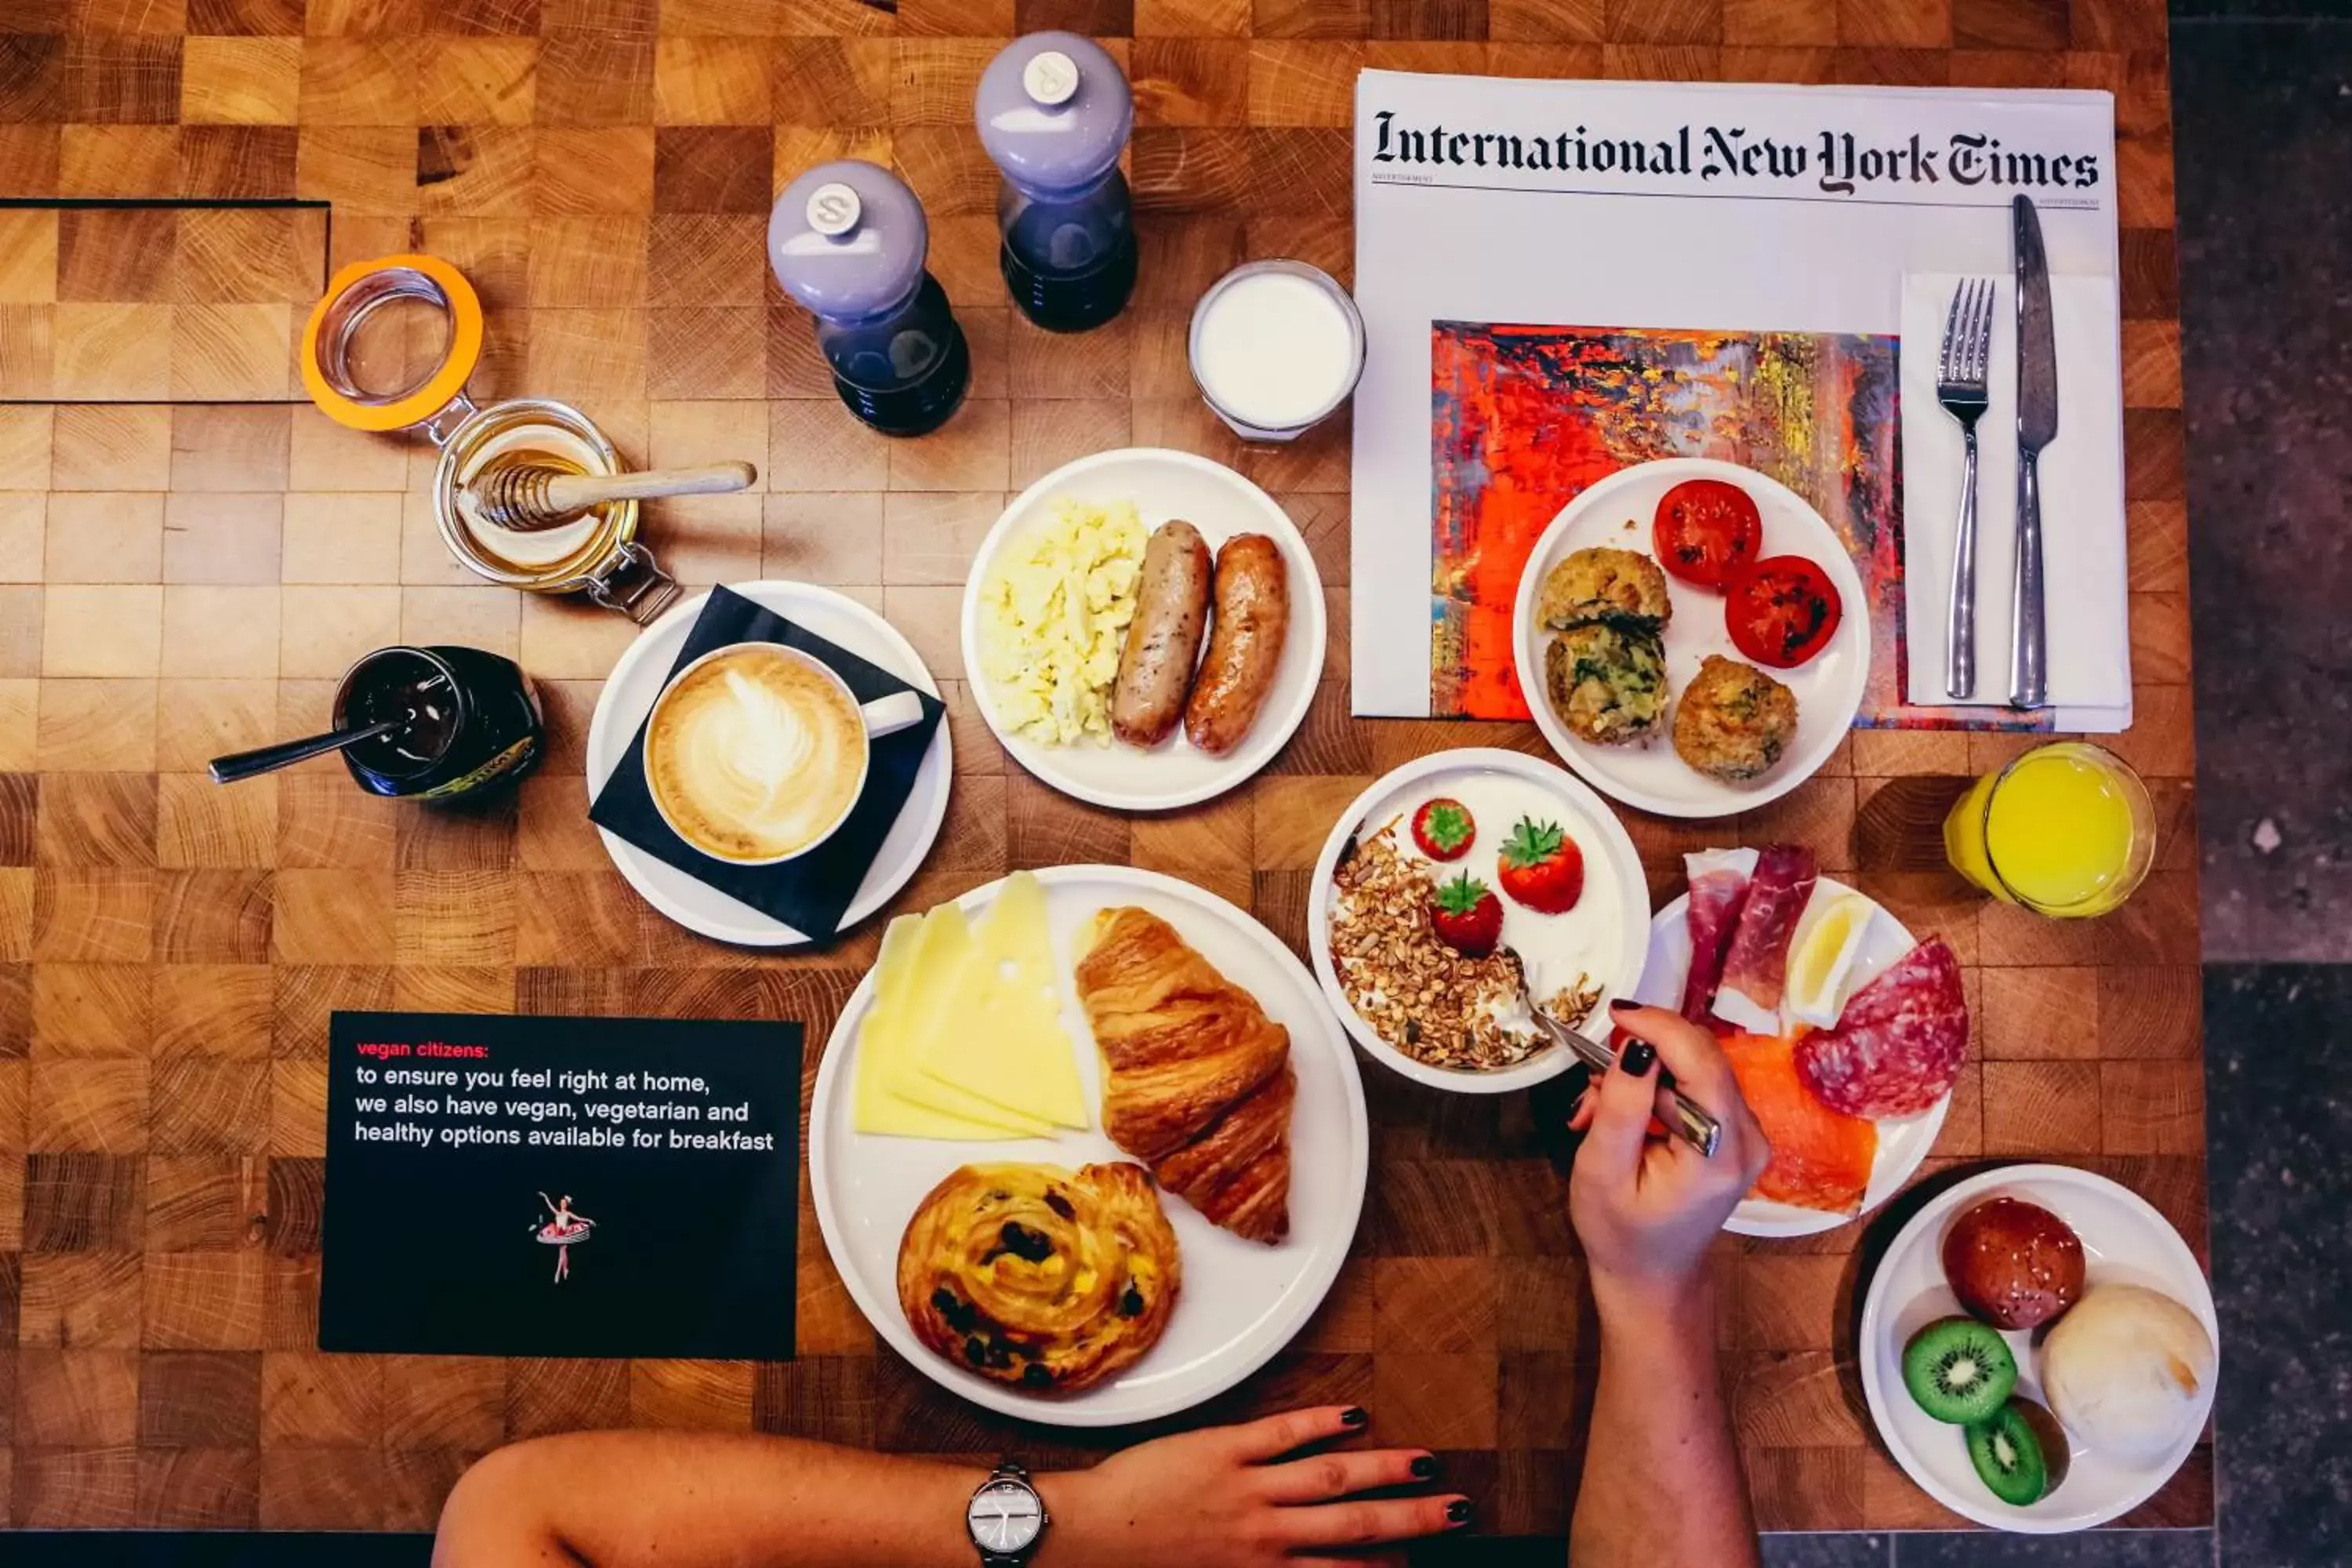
(561,1231)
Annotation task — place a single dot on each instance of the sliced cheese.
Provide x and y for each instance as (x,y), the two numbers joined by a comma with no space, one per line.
(885,1065)
(998,1033)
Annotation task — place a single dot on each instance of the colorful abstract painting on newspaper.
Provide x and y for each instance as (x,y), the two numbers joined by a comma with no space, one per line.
(1526,417)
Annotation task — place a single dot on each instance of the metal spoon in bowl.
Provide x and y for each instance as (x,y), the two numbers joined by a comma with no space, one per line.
(1693,1125)
(286,754)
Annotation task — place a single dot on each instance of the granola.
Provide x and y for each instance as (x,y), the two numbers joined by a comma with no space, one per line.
(1418,994)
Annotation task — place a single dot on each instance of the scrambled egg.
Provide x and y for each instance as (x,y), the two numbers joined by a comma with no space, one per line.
(1054,617)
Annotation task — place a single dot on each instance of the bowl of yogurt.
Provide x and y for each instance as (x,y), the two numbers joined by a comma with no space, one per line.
(1437,1016)
(1275,346)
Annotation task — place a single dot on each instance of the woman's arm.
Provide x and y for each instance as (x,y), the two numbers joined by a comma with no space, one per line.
(687,1498)
(1239,1495)
(1662,1480)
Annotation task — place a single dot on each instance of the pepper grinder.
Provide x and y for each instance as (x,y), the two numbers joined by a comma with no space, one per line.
(1055,113)
(847,239)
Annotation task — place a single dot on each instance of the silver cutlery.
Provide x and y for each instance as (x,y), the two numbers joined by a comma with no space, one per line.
(2037,426)
(1960,389)
(1692,1124)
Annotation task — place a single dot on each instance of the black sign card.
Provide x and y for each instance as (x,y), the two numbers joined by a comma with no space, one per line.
(811,893)
(560,1186)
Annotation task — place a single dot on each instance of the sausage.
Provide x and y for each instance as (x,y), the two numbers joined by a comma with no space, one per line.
(1155,665)
(1245,644)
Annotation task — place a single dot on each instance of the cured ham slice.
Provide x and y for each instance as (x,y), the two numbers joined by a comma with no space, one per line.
(1821,1158)
(1718,883)
(1897,1047)
(1755,966)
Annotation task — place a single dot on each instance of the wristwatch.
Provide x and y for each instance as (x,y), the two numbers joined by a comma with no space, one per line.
(1006,1517)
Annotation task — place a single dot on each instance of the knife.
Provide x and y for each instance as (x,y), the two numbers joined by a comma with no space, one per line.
(2037,426)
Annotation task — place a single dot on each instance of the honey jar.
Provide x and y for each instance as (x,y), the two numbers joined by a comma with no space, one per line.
(596,553)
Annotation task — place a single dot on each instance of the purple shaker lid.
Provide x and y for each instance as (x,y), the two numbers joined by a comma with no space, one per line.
(847,239)
(1053,111)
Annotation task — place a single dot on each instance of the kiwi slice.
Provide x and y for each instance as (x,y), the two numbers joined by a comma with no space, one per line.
(2008,1456)
(2057,1454)
(1958,1369)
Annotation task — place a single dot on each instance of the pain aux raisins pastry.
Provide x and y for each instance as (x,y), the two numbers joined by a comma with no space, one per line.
(1042,1278)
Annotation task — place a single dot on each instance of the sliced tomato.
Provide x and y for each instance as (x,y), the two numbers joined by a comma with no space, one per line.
(1782,610)
(1705,530)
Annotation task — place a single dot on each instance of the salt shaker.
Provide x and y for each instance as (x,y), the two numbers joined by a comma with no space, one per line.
(1055,112)
(847,239)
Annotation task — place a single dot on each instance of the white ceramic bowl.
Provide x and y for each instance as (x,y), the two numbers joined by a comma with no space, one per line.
(2124,1241)
(1828,687)
(1221,503)
(1616,893)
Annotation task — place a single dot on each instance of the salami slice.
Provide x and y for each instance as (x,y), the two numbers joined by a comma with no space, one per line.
(1756,968)
(1718,883)
(1897,1047)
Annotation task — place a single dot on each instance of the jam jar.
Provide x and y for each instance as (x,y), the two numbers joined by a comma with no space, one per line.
(469,723)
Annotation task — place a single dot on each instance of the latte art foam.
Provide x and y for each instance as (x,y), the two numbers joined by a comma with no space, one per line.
(755,755)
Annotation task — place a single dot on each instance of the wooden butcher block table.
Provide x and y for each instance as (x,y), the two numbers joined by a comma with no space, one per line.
(188,559)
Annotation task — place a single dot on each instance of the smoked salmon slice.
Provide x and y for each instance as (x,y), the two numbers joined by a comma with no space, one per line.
(1820,1158)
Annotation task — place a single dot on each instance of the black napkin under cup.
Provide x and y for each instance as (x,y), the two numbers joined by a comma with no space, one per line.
(810,893)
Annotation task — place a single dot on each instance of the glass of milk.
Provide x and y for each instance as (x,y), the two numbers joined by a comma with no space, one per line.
(1275,346)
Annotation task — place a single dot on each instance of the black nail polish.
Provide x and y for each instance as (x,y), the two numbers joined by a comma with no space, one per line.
(1458,1510)
(1424,1467)
(1354,1415)
(1623,1004)
(1637,1058)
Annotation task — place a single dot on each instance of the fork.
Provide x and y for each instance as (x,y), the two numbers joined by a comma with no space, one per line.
(1960,389)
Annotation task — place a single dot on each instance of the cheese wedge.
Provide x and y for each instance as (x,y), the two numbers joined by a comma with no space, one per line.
(999,1033)
(884,1064)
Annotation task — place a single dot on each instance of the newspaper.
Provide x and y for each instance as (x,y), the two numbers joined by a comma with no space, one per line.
(1709,232)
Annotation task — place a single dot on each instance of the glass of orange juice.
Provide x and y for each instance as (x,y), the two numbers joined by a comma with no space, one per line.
(2066,829)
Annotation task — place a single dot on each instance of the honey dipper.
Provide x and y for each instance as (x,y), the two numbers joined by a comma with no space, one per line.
(525,497)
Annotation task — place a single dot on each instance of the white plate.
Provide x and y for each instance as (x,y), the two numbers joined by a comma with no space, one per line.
(1827,685)
(1242,1301)
(629,696)
(1603,935)
(1220,503)
(2124,1241)
(1902,1142)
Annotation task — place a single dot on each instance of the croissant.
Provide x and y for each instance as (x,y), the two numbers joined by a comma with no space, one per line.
(1198,1081)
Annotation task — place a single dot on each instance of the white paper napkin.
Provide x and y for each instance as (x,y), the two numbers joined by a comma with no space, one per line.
(2085,564)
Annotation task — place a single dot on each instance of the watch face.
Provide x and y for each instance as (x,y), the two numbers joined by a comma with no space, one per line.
(1004,1516)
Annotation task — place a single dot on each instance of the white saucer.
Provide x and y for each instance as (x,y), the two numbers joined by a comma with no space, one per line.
(629,696)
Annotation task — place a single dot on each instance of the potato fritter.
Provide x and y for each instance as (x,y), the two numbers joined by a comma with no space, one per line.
(1604,584)
(1734,720)
(1607,682)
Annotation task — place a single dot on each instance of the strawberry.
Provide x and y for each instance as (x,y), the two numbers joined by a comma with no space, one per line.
(1541,868)
(1466,916)
(1442,829)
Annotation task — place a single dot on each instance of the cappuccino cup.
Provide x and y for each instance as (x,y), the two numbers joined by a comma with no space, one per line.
(755,753)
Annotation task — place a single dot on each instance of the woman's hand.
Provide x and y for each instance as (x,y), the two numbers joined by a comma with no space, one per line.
(1647,1208)
(1242,1496)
